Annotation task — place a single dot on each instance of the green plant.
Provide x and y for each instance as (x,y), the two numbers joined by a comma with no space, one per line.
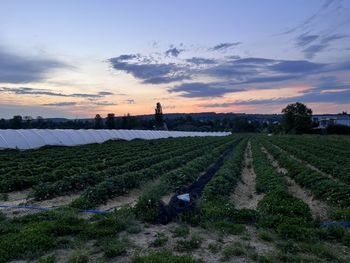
(181,231)
(160,241)
(114,248)
(49,259)
(164,257)
(4,197)
(79,256)
(232,250)
(289,247)
(214,247)
(266,236)
(228,227)
(188,245)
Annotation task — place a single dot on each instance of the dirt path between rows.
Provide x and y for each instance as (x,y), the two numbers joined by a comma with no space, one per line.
(318,208)
(245,195)
(19,198)
(129,199)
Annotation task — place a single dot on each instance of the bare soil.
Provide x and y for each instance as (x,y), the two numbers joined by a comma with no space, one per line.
(318,208)
(21,198)
(166,199)
(141,244)
(129,199)
(245,195)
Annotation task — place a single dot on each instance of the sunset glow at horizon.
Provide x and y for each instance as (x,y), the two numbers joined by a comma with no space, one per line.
(75,59)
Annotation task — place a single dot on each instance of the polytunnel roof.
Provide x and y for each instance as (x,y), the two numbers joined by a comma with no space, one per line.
(35,138)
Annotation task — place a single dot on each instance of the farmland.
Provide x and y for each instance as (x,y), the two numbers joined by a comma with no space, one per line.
(267,200)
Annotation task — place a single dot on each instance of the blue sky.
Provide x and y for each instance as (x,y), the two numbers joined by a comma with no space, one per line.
(79,58)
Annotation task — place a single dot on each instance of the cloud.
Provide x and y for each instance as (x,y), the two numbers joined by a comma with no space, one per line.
(200,61)
(61,104)
(329,38)
(317,33)
(105,93)
(45,92)
(219,105)
(323,43)
(228,69)
(104,103)
(305,39)
(201,90)
(296,66)
(23,69)
(261,70)
(130,101)
(340,97)
(173,52)
(329,6)
(152,73)
(227,74)
(330,83)
(224,46)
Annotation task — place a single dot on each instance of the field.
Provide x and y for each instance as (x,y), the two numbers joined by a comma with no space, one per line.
(254,198)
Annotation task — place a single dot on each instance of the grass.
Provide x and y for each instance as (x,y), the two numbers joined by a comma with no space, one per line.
(188,245)
(226,227)
(4,197)
(134,229)
(160,241)
(164,257)
(233,250)
(112,247)
(49,259)
(31,236)
(266,236)
(214,247)
(323,251)
(181,231)
(79,256)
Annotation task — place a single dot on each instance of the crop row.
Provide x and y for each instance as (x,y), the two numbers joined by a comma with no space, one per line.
(323,146)
(119,185)
(91,157)
(18,179)
(337,166)
(267,179)
(148,205)
(224,181)
(84,180)
(56,157)
(215,204)
(322,186)
(278,209)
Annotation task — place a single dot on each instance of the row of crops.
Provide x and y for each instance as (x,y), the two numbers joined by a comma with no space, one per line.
(60,170)
(332,158)
(101,172)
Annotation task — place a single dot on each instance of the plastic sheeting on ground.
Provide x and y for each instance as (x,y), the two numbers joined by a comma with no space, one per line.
(35,138)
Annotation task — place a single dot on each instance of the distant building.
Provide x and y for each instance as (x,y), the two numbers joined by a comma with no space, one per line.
(334,119)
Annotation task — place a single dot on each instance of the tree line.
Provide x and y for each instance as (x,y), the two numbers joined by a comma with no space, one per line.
(188,123)
(297,119)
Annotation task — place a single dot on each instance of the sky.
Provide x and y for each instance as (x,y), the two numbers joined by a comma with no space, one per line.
(74,59)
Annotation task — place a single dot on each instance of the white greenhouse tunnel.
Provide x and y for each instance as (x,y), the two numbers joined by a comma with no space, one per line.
(35,138)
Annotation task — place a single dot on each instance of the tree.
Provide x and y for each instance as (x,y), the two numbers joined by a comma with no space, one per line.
(98,122)
(28,121)
(110,121)
(40,123)
(296,118)
(16,122)
(158,116)
(3,124)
